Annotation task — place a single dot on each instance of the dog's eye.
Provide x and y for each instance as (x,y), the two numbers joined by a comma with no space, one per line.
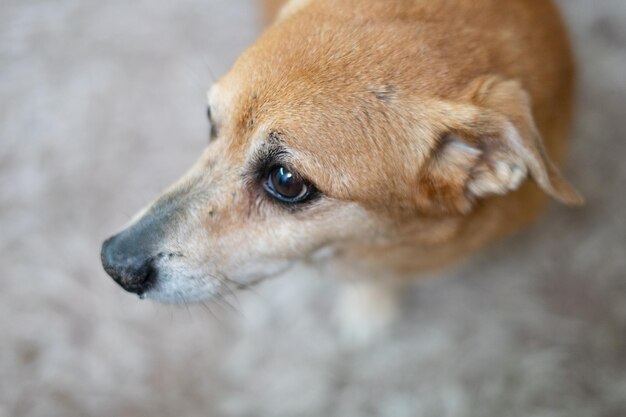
(286,185)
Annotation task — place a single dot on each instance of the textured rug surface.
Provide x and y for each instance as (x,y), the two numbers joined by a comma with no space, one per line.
(102,105)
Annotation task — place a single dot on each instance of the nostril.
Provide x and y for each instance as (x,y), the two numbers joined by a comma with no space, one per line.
(150,278)
(139,276)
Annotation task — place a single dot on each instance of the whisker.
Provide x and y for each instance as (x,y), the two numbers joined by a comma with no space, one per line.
(207,64)
(182,298)
(251,288)
(199,75)
(224,281)
(230,287)
(222,301)
(207,308)
(220,298)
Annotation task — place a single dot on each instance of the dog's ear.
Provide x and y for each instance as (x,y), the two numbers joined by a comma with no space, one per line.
(488,146)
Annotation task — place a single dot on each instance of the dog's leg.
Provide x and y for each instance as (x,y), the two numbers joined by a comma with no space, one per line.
(367,309)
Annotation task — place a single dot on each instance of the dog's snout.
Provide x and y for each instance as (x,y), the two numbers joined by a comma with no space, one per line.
(134,257)
(134,272)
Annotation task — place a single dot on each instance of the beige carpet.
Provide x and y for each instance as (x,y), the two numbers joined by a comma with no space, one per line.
(102,105)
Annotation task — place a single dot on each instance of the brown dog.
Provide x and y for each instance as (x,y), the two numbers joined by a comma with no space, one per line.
(398,135)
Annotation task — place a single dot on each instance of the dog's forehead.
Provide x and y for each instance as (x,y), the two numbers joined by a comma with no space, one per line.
(336,111)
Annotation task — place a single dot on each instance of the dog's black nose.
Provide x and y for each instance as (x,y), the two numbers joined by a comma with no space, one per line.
(135,273)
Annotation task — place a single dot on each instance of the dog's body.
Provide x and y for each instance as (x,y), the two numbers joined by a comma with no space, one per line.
(411,125)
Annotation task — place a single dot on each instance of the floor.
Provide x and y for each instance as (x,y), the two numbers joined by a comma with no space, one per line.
(102,105)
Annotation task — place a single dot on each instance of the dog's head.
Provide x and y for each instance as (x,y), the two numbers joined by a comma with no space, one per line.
(321,138)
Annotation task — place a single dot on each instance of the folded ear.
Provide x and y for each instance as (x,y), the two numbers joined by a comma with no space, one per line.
(489,146)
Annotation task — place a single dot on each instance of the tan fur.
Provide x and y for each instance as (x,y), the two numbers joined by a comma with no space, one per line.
(429,127)
(433,53)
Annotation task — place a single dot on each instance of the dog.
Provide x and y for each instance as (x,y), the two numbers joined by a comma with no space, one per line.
(381,137)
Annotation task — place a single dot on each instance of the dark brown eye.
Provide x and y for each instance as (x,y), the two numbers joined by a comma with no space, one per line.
(286,185)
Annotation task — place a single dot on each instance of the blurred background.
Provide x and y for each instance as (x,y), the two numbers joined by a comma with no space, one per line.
(102,104)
